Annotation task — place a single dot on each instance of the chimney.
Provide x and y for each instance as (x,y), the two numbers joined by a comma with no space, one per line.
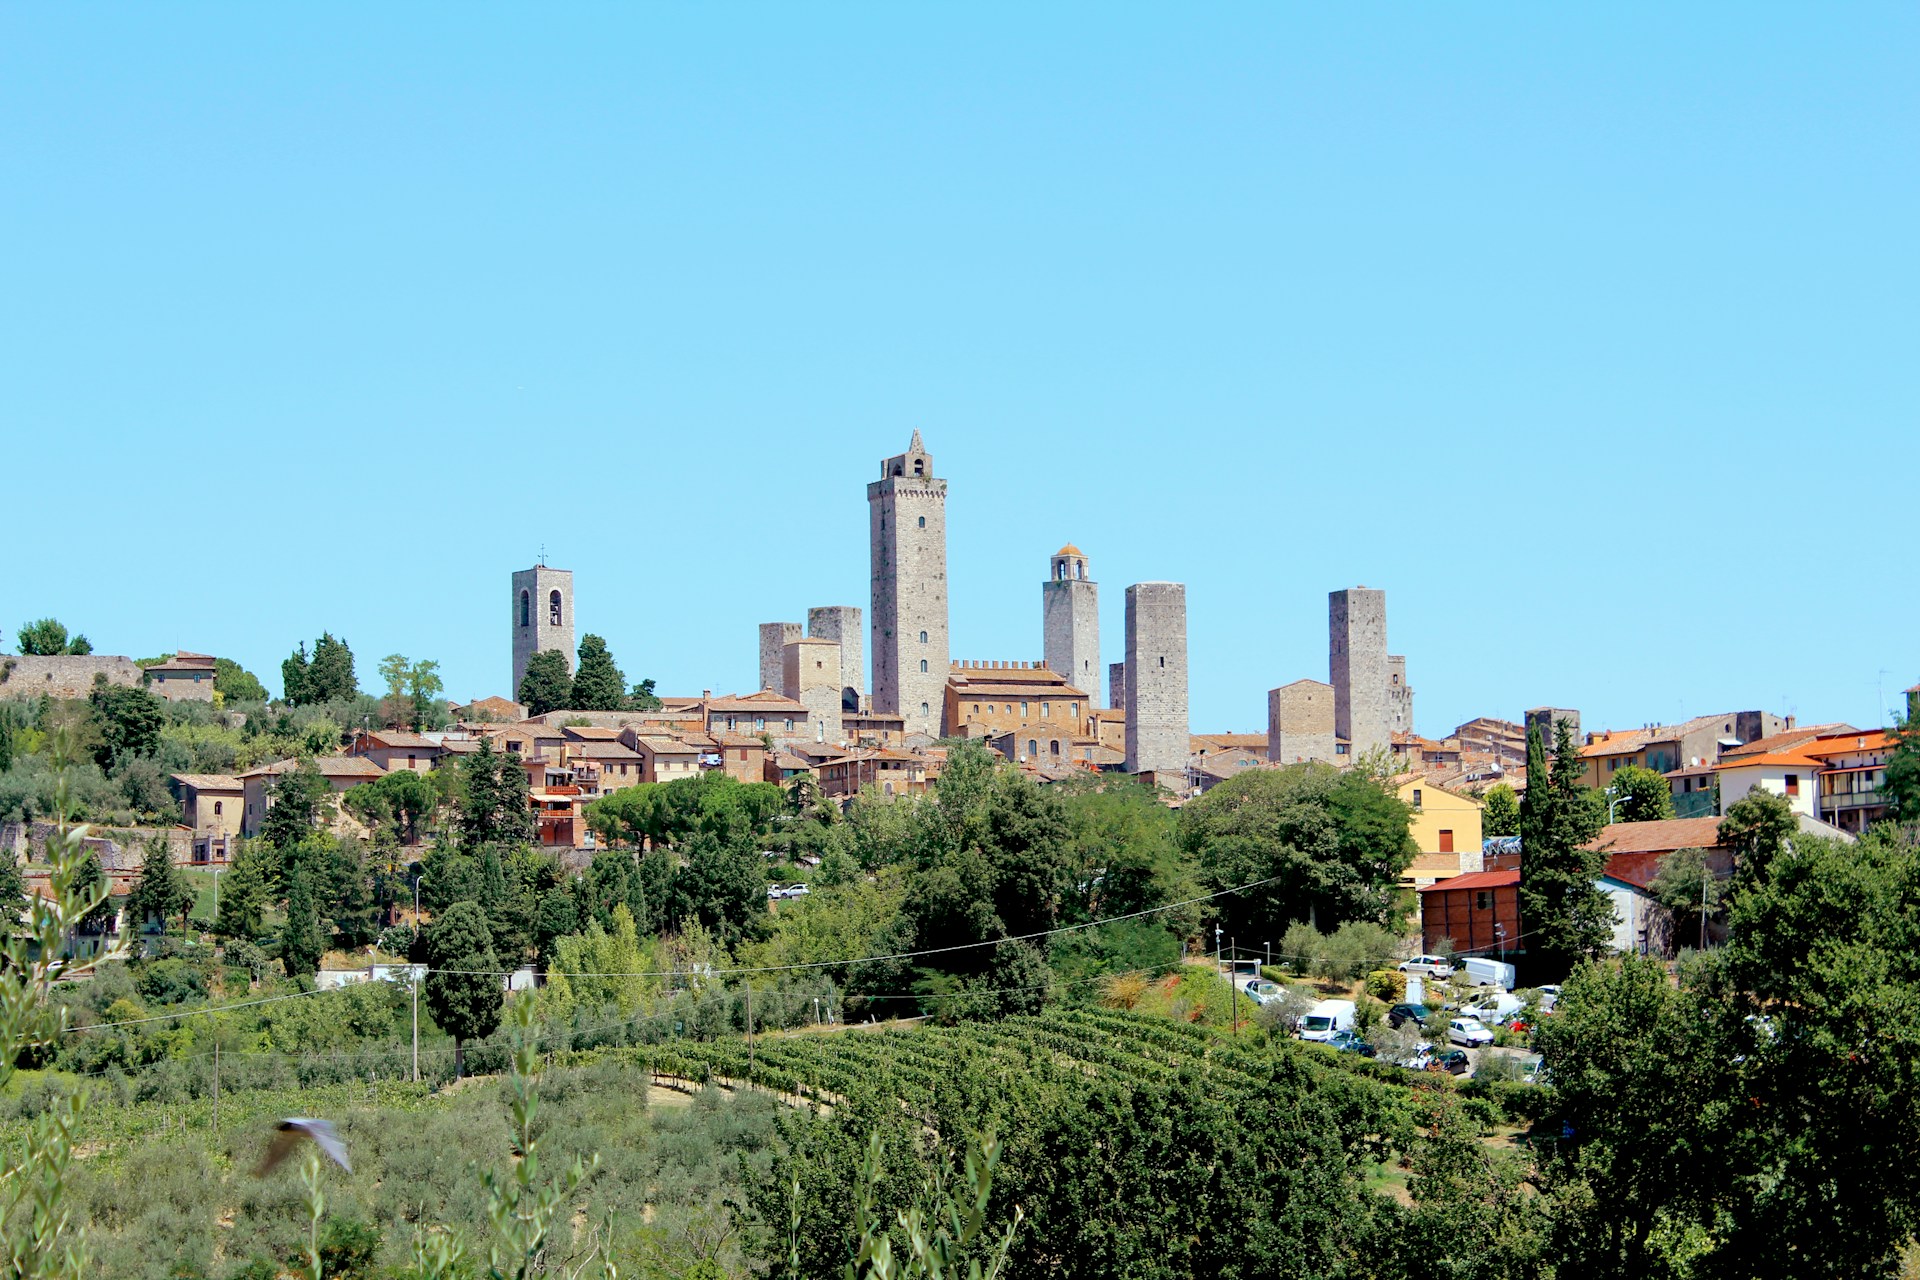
(706,695)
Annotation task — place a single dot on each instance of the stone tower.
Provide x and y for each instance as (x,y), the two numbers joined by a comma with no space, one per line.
(1157,738)
(810,675)
(1300,723)
(1545,718)
(1116,686)
(842,623)
(774,638)
(907,514)
(1399,694)
(1070,620)
(542,618)
(1357,659)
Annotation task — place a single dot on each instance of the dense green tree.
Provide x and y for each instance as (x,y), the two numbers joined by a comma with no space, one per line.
(293,676)
(411,689)
(464,988)
(547,685)
(127,721)
(243,895)
(297,802)
(722,886)
(48,638)
(495,808)
(92,879)
(1758,828)
(301,943)
(1564,916)
(9,727)
(325,677)
(1900,784)
(1685,884)
(1331,845)
(1501,814)
(400,800)
(597,682)
(13,892)
(1640,795)
(162,891)
(234,683)
(643,698)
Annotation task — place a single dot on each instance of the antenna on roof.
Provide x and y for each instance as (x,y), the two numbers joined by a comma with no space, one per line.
(543,555)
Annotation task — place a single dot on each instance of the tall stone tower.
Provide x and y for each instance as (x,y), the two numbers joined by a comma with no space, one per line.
(1157,739)
(842,623)
(810,675)
(1116,686)
(542,617)
(1300,723)
(1399,694)
(774,638)
(1357,659)
(907,513)
(1070,620)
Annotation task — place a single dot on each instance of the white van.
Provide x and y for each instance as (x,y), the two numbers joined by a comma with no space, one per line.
(1326,1018)
(1482,972)
(1495,1008)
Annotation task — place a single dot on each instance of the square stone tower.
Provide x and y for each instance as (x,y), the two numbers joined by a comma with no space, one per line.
(1157,738)
(1070,620)
(810,675)
(1300,722)
(542,617)
(1399,694)
(843,623)
(1116,686)
(1544,719)
(907,515)
(1357,660)
(774,638)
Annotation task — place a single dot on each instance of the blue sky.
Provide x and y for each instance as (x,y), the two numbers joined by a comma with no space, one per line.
(1588,336)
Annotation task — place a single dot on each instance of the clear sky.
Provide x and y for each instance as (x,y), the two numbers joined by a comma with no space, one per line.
(1589,336)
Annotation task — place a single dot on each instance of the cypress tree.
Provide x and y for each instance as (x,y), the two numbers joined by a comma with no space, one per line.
(546,686)
(597,684)
(301,945)
(161,891)
(463,989)
(1563,914)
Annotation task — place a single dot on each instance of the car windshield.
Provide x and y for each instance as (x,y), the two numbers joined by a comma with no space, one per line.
(1317,1022)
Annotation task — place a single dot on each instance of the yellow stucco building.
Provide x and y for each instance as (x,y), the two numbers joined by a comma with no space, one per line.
(1446,825)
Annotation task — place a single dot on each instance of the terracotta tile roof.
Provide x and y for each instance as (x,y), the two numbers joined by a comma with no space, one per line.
(601,751)
(1849,743)
(1070,550)
(209,781)
(329,767)
(1784,741)
(1663,836)
(1476,880)
(766,701)
(1200,743)
(966,689)
(401,739)
(1772,759)
(184,661)
(589,732)
(667,746)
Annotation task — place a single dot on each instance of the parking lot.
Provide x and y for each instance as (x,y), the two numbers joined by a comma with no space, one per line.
(1416,993)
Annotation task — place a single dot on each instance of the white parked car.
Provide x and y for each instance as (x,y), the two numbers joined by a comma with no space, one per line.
(1494,1008)
(798,890)
(1261,991)
(1435,966)
(1549,996)
(1468,1032)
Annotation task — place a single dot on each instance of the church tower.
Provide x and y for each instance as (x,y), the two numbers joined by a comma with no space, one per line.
(907,514)
(1070,621)
(542,618)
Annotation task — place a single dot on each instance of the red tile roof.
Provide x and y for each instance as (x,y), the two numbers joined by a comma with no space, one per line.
(1663,836)
(1476,880)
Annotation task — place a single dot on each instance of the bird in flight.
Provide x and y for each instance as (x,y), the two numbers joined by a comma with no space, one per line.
(288,1134)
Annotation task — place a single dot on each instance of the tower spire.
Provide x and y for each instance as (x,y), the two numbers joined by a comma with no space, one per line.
(914,445)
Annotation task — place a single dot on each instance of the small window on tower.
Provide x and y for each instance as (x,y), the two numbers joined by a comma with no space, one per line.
(923,708)
(1163,662)
(526,610)
(553,609)
(923,522)
(923,665)
(923,637)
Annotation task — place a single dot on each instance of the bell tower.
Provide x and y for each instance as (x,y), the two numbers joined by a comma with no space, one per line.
(542,618)
(1070,620)
(907,519)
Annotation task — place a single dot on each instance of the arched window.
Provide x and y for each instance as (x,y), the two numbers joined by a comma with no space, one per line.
(216,807)
(553,609)
(923,522)
(920,469)
(526,609)
(924,709)
(923,666)
(1033,748)
(1053,747)
(923,640)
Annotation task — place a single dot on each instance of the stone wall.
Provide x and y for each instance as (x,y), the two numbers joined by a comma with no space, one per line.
(540,632)
(1300,723)
(845,625)
(907,517)
(1399,695)
(1116,686)
(810,675)
(1070,629)
(774,639)
(1544,718)
(1357,663)
(62,675)
(121,849)
(1158,741)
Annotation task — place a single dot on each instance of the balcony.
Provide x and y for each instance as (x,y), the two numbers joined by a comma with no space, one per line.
(1863,798)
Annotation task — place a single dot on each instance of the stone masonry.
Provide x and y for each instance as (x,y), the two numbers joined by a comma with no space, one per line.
(61,676)
(1116,686)
(774,639)
(542,617)
(1544,719)
(810,675)
(1070,620)
(907,517)
(1357,662)
(1300,723)
(1157,731)
(843,624)
(1399,694)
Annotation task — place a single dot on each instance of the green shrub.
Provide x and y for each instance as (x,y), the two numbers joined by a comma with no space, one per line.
(1387,984)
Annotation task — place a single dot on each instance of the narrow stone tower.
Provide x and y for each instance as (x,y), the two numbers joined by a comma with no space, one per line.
(810,675)
(1070,620)
(774,638)
(1357,663)
(907,513)
(542,617)
(1157,740)
(843,624)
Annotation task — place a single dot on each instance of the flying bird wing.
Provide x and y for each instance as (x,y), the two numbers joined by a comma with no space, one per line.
(289,1134)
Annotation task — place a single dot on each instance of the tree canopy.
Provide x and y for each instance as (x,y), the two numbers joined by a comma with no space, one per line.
(1640,795)
(547,685)
(325,677)
(46,637)
(597,682)
(464,989)
(1564,914)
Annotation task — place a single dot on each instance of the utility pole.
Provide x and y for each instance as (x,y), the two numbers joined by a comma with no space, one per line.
(216,1081)
(1706,876)
(415,985)
(749,1033)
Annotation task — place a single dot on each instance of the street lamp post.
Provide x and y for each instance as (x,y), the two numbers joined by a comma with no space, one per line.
(1500,941)
(414,976)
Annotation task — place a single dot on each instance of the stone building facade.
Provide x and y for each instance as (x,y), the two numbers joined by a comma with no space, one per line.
(1117,686)
(542,617)
(1300,723)
(844,625)
(1544,719)
(1070,619)
(60,676)
(1039,707)
(1157,731)
(907,515)
(1399,695)
(810,675)
(1357,663)
(774,639)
